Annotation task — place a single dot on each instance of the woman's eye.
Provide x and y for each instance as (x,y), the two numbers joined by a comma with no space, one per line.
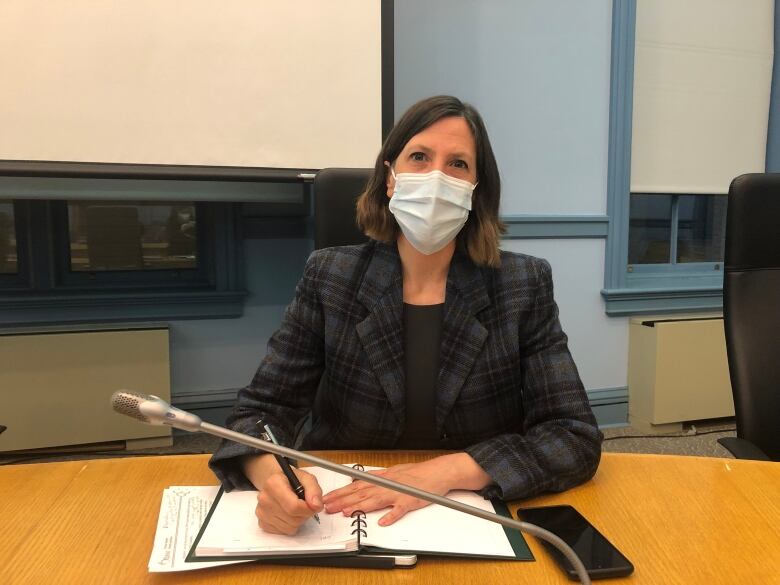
(460,164)
(417,156)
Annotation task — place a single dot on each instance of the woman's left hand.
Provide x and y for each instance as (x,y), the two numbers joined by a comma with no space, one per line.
(438,475)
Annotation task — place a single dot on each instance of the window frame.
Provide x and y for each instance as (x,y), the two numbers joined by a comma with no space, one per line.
(130,279)
(20,279)
(44,291)
(689,287)
(672,268)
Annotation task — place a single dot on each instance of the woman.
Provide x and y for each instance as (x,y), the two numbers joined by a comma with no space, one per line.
(428,337)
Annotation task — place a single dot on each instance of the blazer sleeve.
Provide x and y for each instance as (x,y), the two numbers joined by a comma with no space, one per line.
(282,391)
(560,443)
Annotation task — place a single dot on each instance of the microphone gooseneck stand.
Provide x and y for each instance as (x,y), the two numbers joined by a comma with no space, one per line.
(154,410)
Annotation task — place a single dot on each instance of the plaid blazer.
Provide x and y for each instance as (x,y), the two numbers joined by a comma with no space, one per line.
(508,391)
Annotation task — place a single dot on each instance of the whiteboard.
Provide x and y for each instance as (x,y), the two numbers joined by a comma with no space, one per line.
(250,83)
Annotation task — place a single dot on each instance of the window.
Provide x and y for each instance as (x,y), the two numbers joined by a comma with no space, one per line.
(112,235)
(689,103)
(676,229)
(650,229)
(701,228)
(8,256)
(118,260)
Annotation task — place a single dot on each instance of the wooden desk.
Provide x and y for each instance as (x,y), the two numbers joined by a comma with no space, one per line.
(685,520)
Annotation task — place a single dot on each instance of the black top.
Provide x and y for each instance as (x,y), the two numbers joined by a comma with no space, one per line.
(422,346)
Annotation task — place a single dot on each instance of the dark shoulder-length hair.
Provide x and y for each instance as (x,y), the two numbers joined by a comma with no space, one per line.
(480,236)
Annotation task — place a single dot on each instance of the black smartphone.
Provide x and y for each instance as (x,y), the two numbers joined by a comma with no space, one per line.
(601,559)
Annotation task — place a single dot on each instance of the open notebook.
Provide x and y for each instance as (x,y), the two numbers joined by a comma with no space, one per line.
(231,531)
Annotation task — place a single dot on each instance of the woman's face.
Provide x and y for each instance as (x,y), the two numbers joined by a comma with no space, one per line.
(447,146)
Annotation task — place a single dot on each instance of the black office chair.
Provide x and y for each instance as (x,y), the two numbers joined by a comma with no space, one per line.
(335,193)
(751,312)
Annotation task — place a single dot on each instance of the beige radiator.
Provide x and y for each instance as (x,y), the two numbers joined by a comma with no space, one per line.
(55,386)
(677,371)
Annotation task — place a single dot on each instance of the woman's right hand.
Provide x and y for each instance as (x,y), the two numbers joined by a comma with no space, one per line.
(279,510)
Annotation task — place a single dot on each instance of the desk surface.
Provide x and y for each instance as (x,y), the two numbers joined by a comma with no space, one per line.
(685,520)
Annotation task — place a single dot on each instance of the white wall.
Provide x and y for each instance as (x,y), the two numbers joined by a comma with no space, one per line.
(538,71)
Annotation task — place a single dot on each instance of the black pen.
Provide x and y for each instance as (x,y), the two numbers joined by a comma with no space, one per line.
(295,483)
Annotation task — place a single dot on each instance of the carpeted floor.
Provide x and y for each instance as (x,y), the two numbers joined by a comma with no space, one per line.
(698,439)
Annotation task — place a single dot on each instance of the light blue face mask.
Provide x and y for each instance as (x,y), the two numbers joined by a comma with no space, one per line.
(431,208)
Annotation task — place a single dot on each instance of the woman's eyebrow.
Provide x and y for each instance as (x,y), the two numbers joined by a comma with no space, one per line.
(417,146)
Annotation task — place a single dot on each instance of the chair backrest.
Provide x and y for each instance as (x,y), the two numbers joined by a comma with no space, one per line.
(751,307)
(335,193)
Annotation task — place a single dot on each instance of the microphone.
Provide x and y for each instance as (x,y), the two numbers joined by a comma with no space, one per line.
(154,410)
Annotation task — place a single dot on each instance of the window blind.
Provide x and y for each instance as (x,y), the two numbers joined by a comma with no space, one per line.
(702,79)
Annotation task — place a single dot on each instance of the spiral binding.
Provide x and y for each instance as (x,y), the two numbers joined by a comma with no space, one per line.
(359,522)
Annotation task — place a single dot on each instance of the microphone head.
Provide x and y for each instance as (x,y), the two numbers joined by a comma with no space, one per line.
(153,410)
(129,404)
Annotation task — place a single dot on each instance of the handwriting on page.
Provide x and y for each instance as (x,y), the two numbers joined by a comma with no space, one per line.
(233,529)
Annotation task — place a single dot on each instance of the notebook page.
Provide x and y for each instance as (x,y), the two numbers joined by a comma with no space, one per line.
(330,480)
(436,529)
(233,530)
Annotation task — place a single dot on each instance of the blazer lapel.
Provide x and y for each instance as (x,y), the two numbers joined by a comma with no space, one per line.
(380,333)
(462,336)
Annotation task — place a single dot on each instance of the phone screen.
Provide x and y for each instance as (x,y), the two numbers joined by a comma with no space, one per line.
(600,557)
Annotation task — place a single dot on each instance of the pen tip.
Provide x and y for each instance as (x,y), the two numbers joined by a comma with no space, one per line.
(317,518)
